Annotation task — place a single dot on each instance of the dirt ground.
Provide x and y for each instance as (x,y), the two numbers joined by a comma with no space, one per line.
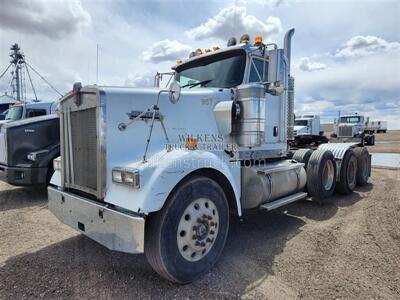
(347,249)
(386,142)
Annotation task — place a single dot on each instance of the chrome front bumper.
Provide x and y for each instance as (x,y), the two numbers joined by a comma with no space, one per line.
(113,229)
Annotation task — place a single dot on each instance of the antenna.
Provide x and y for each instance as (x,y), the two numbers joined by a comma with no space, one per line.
(97,64)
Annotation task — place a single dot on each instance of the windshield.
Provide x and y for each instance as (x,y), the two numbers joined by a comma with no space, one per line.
(300,122)
(349,119)
(223,71)
(14,113)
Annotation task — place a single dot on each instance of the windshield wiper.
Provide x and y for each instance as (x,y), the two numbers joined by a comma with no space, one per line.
(192,85)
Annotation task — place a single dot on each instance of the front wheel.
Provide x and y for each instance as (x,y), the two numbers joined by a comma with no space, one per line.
(185,239)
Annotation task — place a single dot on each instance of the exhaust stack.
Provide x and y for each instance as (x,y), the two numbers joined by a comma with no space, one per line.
(288,46)
(290,108)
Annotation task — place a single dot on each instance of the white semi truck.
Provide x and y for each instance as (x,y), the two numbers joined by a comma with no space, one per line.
(353,128)
(160,171)
(308,132)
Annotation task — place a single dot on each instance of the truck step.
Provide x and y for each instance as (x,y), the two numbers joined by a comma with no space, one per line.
(283,201)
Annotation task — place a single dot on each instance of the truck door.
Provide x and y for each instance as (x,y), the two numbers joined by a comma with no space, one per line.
(258,73)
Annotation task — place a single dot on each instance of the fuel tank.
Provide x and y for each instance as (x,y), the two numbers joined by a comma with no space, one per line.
(267,182)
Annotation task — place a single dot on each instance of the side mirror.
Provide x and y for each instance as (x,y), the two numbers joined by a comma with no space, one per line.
(174,92)
(275,88)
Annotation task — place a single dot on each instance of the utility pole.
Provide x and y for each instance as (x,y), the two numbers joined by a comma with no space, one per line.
(17,82)
(17,59)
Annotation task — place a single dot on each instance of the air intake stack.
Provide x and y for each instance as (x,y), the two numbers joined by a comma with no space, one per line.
(290,95)
(290,109)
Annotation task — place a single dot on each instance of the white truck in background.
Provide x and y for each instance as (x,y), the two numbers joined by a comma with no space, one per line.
(160,170)
(377,126)
(353,128)
(308,132)
(25,110)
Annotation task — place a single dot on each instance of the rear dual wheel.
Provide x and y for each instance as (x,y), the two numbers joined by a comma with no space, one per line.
(185,239)
(362,156)
(321,175)
(348,173)
(302,156)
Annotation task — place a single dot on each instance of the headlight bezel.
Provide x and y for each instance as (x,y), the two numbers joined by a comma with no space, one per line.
(126,176)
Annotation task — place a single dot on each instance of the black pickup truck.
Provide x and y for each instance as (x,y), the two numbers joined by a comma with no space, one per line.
(28,148)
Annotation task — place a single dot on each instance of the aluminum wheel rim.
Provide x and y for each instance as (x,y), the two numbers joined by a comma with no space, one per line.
(351,172)
(328,175)
(197,229)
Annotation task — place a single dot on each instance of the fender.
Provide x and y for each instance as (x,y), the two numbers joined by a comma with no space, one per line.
(52,152)
(164,171)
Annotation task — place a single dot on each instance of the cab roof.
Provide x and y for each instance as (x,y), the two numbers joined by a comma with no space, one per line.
(241,47)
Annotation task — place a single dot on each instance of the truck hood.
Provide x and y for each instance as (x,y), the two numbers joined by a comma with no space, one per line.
(188,116)
(21,122)
(300,129)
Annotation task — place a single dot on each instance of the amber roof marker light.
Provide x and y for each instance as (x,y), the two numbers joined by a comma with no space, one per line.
(231,42)
(258,41)
(244,39)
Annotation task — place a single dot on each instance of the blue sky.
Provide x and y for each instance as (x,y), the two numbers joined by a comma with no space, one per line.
(346,54)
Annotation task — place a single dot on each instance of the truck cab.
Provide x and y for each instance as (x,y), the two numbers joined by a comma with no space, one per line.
(27,149)
(353,127)
(29,141)
(5,103)
(307,125)
(158,170)
(307,132)
(22,110)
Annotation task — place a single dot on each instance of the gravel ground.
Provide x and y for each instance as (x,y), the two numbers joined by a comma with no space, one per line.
(388,142)
(348,249)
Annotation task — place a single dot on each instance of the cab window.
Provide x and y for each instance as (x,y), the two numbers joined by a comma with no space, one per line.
(224,70)
(259,65)
(14,113)
(30,113)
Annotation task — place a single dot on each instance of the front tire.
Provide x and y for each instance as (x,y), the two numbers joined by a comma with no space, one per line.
(185,239)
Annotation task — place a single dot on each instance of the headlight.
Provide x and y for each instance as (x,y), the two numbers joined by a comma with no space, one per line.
(127,176)
(31,156)
(37,156)
(57,164)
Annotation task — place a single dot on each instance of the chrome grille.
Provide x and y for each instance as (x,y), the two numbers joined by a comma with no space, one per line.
(346,131)
(84,147)
(83,143)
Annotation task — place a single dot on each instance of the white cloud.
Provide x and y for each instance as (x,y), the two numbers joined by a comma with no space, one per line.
(165,50)
(140,80)
(362,85)
(306,65)
(54,19)
(234,19)
(365,45)
(274,3)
